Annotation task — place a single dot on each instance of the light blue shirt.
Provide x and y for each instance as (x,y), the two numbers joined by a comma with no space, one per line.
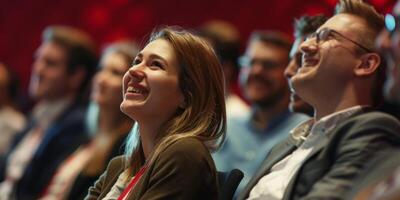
(246,147)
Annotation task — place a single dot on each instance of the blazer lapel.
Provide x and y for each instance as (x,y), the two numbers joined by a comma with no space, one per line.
(114,172)
(276,154)
(317,148)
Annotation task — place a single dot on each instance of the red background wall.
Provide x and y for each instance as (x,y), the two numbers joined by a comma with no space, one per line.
(22,21)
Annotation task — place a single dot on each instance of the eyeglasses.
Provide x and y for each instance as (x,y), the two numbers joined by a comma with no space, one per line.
(392,22)
(245,61)
(325,33)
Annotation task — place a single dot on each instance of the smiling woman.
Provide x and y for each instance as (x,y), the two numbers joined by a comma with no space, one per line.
(175,92)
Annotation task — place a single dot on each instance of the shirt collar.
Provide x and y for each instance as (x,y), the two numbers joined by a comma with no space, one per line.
(324,125)
(46,112)
(301,131)
(329,122)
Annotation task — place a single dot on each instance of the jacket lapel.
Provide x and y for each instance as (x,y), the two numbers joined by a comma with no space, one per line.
(114,171)
(276,154)
(317,148)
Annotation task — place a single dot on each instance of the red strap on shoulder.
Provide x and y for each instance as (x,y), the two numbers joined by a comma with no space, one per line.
(132,183)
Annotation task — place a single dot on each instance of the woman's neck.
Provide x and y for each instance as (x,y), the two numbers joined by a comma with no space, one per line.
(148,135)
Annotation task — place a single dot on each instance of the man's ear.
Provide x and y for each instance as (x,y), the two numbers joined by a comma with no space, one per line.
(369,64)
(77,77)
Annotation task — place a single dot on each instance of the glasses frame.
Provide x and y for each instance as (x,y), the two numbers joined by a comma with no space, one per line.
(322,35)
(245,62)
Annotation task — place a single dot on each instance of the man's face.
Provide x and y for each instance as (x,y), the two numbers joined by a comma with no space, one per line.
(328,64)
(296,104)
(49,78)
(389,44)
(262,74)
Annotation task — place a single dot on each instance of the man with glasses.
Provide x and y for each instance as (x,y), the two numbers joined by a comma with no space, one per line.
(340,72)
(303,27)
(250,137)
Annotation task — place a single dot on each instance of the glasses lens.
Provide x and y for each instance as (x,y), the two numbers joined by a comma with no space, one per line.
(311,36)
(269,64)
(245,61)
(324,34)
(390,22)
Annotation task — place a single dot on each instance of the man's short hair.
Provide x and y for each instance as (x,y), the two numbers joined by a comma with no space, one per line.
(306,25)
(276,38)
(373,20)
(79,47)
(225,39)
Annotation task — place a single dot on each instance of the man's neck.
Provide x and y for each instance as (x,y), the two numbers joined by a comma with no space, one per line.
(46,112)
(325,111)
(335,102)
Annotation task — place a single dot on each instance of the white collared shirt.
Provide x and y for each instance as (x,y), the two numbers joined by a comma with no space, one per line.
(272,186)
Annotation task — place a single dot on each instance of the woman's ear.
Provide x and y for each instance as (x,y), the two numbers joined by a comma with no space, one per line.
(369,64)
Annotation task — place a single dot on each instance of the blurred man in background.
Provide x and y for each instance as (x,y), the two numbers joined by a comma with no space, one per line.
(250,137)
(63,66)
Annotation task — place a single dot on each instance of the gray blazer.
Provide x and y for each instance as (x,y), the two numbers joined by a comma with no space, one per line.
(331,169)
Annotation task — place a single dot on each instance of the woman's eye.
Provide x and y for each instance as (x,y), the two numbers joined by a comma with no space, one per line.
(157,64)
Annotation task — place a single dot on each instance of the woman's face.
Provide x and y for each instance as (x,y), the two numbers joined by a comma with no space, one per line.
(107,83)
(150,87)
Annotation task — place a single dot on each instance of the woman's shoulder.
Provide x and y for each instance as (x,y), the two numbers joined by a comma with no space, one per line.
(185,150)
(189,145)
(116,164)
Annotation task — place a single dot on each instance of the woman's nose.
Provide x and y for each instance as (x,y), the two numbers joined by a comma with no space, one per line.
(137,73)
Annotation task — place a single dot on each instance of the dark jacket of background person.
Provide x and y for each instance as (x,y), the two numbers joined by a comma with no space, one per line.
(82,183)
(338,160)
(175,171)
(60,140)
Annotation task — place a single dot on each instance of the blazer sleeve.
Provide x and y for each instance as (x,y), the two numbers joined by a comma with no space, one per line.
(95,191)
(185,170)
(107,179)
(352,148)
